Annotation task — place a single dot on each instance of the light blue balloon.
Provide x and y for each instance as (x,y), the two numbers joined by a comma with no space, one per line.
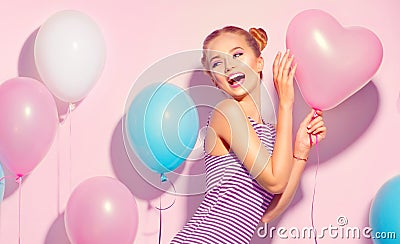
(384,216)
(2,184)
(162,125)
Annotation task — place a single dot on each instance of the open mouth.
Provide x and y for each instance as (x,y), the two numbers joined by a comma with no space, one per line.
(236,79)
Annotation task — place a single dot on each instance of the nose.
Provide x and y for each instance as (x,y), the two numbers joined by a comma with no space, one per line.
(229,65)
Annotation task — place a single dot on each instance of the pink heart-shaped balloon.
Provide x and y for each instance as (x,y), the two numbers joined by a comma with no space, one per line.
(333,62)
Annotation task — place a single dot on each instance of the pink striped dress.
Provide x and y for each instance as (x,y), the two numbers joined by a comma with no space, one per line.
(234,201)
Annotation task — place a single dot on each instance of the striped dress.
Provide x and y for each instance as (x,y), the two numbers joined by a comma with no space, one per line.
(234,202)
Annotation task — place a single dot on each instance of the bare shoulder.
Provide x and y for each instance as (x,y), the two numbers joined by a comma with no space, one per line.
(227,118)
(220,126)
(224,112)
(228,106)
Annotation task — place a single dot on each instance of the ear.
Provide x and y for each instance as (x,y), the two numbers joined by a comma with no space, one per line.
(260,64)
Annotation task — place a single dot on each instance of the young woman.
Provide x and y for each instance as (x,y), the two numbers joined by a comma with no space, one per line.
(252,168)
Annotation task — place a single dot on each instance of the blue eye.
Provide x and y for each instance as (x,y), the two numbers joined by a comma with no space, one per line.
(236,55)
(216,64)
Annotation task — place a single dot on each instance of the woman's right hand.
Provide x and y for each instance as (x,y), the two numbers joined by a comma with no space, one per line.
(283,75)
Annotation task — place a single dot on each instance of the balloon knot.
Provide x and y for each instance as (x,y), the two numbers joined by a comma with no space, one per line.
(72,106)
(163,177)
(19,179)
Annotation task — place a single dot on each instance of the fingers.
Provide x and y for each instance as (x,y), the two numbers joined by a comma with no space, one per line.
(320,131)
(275,67)
(283,78)
(313,121)
(308,118)
(314,113)
(315,125)
(281,68)
(292,72)
(319,112)
(286,68)
(282,65)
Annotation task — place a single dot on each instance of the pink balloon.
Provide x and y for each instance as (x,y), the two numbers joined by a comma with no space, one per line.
(28,124)
(101,210)
(333,62)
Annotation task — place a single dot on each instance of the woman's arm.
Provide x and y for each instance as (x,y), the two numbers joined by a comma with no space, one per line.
(232,126)
(281,201)
(302,148)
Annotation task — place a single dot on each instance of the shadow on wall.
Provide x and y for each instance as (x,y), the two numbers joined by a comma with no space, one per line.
(137,178)
(125,172)
(57,233)
(205,99)
(27,68)
(346,123)
(366,221)
(11,185)
(26,61)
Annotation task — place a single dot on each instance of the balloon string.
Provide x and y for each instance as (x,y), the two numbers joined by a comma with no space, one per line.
(71,106)
(163,179)
(160,224)
(58,174)
(315,185)
(68,117)
(19,181)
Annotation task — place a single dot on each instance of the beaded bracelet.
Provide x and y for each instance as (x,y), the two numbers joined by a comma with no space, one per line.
(305,159)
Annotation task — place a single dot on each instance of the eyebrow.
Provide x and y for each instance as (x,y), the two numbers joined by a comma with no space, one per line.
(217,56)
(233,49)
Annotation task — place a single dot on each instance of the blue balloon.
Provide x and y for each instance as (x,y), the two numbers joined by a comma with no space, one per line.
(384,216)
(2,183)
(162,125)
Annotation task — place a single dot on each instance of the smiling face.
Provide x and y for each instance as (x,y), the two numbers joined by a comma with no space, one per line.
(234,67)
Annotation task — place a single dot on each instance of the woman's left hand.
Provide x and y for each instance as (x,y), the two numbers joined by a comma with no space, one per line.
(311,127)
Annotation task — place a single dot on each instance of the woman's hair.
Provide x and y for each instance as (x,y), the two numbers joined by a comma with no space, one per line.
(256,38)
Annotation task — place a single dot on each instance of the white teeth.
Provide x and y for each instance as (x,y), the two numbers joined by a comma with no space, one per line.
(234,76)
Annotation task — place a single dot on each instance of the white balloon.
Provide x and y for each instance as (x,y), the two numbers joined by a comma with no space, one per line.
(70,54)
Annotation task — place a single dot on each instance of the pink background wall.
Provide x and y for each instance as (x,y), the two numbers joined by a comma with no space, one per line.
(359,155)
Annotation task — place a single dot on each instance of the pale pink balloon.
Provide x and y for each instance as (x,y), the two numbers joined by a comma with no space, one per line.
(333,62)
(101,210)
(28,124)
